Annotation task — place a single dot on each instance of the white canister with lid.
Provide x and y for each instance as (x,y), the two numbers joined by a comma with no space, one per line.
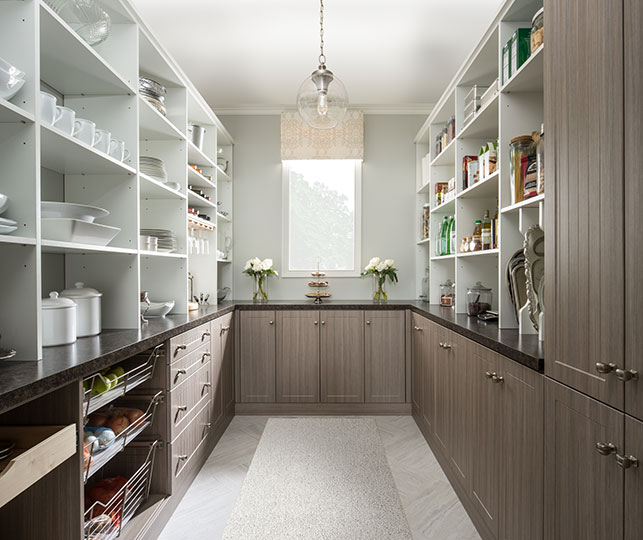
(58,321)
(88,314)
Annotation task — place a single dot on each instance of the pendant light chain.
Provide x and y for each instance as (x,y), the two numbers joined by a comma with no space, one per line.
(322,56)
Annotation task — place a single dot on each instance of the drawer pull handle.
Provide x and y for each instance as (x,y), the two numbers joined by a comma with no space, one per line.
(205,335)
(224,329)
(205,355)
(605,449)
(182,408)
(446,346)
(604,368)
(208,425)
(207,385)
(179,372)
(497,379)
(490,374)
(182,457)
(627,374)
(180,348)
(418,329)
(626,461)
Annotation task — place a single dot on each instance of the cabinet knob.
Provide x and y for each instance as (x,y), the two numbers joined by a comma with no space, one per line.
(604,368)
(417,328)
(368,322)
(316,323)
(323,323)
(627,461)
(627,374)
(271,322)
(605,449)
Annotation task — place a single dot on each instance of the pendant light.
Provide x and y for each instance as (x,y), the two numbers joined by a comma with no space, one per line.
(322,99)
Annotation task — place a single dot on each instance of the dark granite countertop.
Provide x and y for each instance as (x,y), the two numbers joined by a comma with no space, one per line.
(22,381)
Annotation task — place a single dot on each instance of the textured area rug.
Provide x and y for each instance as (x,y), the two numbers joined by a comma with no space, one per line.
(319,479)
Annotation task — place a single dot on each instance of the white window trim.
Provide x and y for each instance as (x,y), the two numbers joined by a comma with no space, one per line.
(285,192)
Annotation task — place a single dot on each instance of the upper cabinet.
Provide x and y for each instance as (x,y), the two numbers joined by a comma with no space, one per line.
(584,225)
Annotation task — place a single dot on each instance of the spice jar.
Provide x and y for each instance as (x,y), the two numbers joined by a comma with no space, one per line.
(478,299)
(464,245)
(469,243)
(447,293)
(519,147)
(537,29)
(540,161)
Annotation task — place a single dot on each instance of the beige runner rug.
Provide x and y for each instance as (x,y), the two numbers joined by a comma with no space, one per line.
(319,479)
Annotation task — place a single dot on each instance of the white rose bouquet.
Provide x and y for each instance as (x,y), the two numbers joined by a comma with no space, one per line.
(380,270)
(259,270)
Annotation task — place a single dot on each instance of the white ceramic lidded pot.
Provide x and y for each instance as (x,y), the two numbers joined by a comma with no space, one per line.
(88,319)
(58,321)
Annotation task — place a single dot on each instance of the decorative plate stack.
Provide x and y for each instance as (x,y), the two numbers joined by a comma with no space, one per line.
(318,284)
(153,167)
(166,239)
(154,93)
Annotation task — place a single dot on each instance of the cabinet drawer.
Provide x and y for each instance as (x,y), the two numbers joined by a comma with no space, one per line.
(184,344)
(182,369)
(187,396)
(187,443)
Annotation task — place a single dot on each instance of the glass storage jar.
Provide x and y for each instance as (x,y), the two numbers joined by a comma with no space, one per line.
(540,161)
(478,299)
(447,293)
(519,147)
(537,29)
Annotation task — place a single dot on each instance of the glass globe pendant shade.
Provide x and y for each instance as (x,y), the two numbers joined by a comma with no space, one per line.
(322,99)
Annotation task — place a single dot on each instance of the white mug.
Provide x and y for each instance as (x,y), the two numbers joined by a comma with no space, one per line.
(66,119)
(48,112)
(119,151)
(85,131)
(105,143)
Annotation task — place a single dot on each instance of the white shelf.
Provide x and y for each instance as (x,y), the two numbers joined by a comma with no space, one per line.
(482,253)
(425,188)
(445,208)
(443,257)
(197,179)
(70,65)
(423,241)
(199,202)
(484,189)
(155,189)
(198,223)
(154,126)
(224,175)
(446,157)
(163,254)
(533,202)
(484,124)
(54,246)
(22,240)
(12,113)
(224,261)
(197,157)
(529,77)
(221,217)
(67,155)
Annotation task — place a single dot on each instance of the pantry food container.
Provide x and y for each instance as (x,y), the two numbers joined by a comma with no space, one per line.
(478,299)
(196,134)
(58,321)
(88,310)
(447,293)
(520,146)
(537,29)
(520,48)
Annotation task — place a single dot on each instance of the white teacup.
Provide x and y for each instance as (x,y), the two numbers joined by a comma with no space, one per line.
(119,151)
(66,119)
(105,143)
(85,131)
(48,112)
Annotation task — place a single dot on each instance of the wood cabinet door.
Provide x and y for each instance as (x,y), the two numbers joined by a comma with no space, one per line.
(226,342)
(461,408)
(216,372)
(584,225)
(257,356)
(385,358)
(417,352)
(583,489)
(297,365)
(633,33)
(428,331)
(633,479)
(342,356)
(444,348)
(487,433)
(523,468)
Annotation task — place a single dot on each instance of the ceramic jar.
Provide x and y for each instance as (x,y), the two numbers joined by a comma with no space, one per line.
(88,311)
(58,321)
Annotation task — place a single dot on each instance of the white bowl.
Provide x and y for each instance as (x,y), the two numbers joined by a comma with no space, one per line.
(83,212)
(157,309)
(11,69)
(4,203)
(11,88)
(75,230)
(6,229)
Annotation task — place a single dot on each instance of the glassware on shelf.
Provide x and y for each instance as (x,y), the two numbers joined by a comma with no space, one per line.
(478,299)
(447,293)
(540,161)
(537,29)
(88,19)
(521,147)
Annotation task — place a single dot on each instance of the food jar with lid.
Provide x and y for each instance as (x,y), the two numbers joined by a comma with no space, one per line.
(478,299)
(447,293)
(520,146)
(58,321)
(88,311)
(537,29)
(540,161)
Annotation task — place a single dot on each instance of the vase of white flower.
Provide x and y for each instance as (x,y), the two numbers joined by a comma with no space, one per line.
(259,270)
(380,270)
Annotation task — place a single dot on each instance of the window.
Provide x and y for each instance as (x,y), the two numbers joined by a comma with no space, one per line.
(322,216)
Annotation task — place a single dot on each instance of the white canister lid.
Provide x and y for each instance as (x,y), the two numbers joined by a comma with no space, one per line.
(80,291)
(54,302)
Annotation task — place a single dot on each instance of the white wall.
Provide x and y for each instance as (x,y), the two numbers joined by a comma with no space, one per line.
(388,202)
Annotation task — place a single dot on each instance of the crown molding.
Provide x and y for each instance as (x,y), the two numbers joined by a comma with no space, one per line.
(422,109)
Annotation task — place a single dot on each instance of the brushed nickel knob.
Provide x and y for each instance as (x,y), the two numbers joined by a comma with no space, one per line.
(627,374)
(604,368)
(316,323)
(323,323)
(271,322)
(605,449)
(368,322)
(626,461)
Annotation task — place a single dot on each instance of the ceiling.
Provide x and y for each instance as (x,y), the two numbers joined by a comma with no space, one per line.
(252,55)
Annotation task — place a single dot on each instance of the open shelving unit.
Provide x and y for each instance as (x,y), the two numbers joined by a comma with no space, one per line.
(516,109)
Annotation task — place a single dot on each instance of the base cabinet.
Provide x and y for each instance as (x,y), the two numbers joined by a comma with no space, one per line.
(258,353)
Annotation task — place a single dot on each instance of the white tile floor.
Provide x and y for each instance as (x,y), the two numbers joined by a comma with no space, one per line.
(431,506)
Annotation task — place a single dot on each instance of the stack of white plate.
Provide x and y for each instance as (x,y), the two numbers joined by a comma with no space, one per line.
(6,225)
(153,167)
(69,222)
(154,93)
(166,239)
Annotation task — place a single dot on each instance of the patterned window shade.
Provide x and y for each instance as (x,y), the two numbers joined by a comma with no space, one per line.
(300,141)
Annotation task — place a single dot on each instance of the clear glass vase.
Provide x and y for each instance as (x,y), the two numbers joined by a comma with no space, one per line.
(260,293)
(379,289)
